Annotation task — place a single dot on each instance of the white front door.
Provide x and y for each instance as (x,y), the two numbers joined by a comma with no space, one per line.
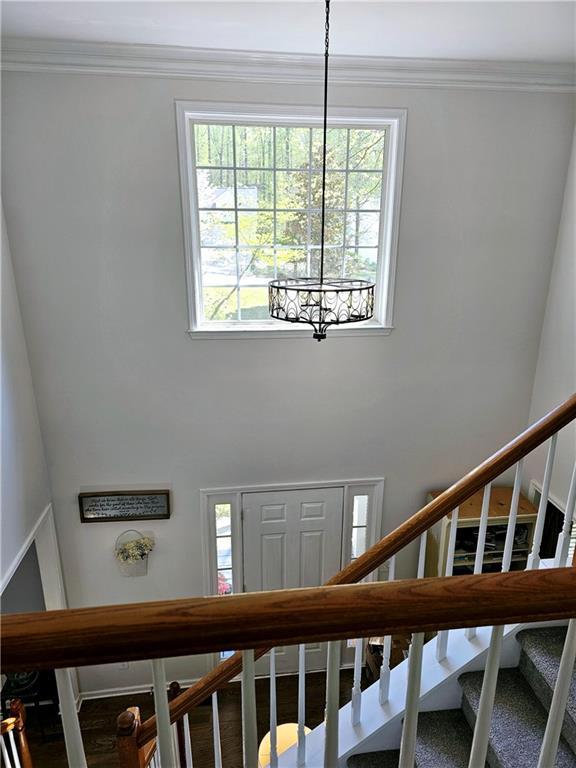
(292,539)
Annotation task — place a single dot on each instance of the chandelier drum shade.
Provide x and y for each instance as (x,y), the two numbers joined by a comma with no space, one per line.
(321,304)
(321,301)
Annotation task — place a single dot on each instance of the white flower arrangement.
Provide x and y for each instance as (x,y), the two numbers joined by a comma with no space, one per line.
(135,550)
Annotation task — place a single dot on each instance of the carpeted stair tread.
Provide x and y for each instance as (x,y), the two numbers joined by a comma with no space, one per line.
(388,759)
(539,663)
(444,740)
(518,721)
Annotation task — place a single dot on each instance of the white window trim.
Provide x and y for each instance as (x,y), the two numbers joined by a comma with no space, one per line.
(394,120)
(535,494)
(209,497)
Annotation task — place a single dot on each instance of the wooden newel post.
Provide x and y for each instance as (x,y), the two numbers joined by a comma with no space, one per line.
(18,711)
(175,690)
(127,727)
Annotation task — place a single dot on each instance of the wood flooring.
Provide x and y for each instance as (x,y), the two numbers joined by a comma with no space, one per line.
(98,722)
(98,718)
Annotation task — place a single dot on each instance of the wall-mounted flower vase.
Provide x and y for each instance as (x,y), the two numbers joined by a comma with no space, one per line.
(131,550)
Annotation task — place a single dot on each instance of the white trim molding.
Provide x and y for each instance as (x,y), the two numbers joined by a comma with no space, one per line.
(535,489)
(11,570)
(392,121)
(373,487)
(77,57)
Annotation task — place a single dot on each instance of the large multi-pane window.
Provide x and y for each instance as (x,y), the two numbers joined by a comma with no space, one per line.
(254,210)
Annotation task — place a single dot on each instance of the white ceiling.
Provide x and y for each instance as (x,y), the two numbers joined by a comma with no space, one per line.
(537,31)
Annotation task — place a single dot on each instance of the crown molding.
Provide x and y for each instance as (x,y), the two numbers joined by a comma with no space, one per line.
(70,57)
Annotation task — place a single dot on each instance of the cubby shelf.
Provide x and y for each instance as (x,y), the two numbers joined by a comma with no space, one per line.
(467,528)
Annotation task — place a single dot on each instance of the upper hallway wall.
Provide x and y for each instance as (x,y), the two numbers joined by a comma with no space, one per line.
(25,488)
(127,399)
(555,378)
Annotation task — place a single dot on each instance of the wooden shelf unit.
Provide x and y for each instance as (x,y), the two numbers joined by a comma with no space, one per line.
(469,518)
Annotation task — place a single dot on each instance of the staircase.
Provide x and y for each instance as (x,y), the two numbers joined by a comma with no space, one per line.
(503,719)
(523,697)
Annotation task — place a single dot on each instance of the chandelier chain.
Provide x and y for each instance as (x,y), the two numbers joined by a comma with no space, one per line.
(307,299)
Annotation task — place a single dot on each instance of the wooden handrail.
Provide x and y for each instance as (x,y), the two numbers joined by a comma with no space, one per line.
(393,543)
(148,630)
(467,486)
(86,636)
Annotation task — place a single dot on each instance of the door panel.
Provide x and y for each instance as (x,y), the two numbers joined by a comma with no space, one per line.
(273,561)
(311,558)
(292,539)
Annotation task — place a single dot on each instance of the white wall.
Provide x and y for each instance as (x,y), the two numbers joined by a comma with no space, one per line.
(25,489)
(128,399)
(555,378)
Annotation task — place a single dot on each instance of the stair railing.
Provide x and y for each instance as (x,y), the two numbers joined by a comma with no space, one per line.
(178,628)
(416,526)
(13,741)
(251,622)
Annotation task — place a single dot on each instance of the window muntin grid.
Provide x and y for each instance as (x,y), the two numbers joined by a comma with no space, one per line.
(224,573)
(223,527)
(259,197)
(359,525)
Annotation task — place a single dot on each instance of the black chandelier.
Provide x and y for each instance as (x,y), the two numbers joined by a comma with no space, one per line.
(321,301)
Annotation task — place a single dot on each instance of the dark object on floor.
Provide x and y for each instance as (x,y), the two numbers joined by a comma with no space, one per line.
(39,689)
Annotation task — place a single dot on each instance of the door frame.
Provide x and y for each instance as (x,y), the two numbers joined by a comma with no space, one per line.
(372,486)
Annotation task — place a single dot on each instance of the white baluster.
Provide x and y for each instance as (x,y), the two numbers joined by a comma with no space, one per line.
(69,718)
(216,732)
(14,749)
(384,682)
(486,704)
(175,743)
(442,636)
(356,702)
(249,731)
(559,699)
(273,716)
(511,529)
(479,749)
(470,633)
(5,755)
(188,742)
(165,742)
(534,557)
(410,725)
(301,758)
(564,539)
(332,704)
(422,555)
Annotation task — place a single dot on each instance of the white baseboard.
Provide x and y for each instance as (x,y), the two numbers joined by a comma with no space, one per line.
(126,690)
(23,549)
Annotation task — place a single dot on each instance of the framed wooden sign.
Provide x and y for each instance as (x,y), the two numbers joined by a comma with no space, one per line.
(109,506)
